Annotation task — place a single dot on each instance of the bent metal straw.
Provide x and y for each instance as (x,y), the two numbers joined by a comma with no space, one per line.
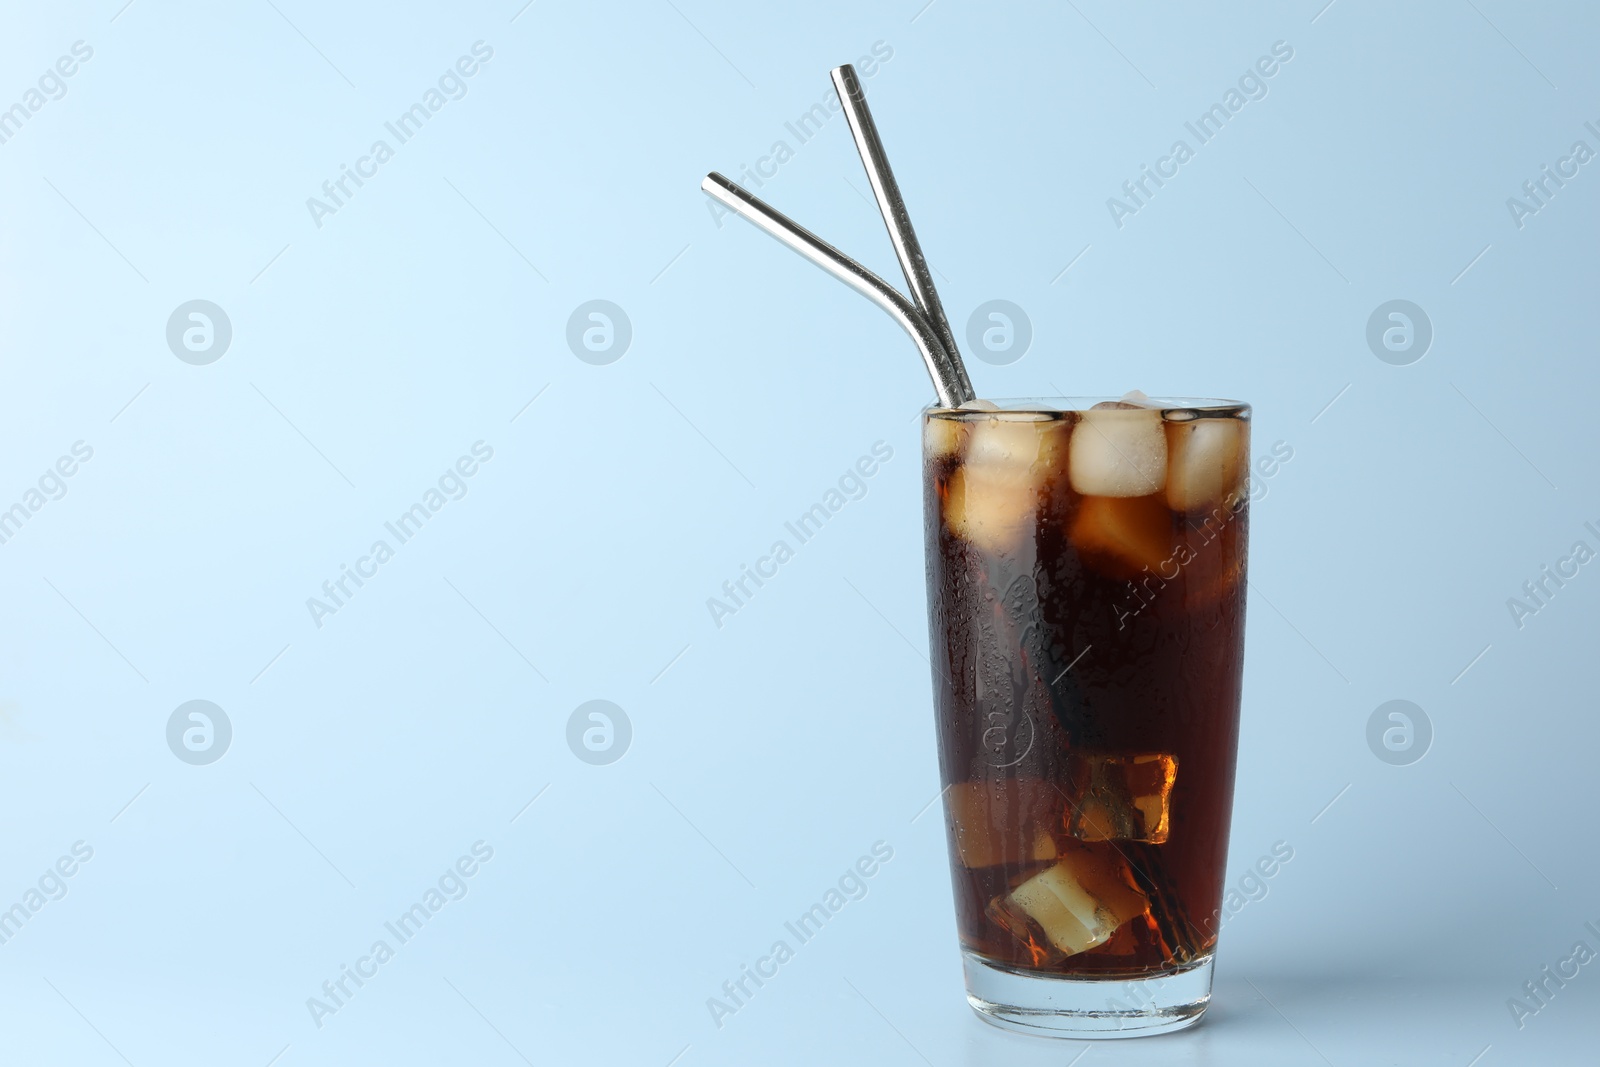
(922,316)
(893,207)
(944,371)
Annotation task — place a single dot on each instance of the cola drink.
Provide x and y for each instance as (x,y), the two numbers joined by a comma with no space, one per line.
(1086,587)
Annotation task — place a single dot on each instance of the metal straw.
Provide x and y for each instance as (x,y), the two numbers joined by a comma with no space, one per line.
(949,377)
(895,217)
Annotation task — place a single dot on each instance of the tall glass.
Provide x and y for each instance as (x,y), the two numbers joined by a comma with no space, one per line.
(1086,590)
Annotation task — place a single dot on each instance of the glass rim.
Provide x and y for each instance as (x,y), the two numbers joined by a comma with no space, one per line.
(1056,405)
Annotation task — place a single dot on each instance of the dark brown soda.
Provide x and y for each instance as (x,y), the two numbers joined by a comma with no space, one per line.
(1063,646)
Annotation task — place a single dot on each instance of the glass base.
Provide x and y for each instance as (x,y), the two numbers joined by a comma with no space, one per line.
(1087,1008)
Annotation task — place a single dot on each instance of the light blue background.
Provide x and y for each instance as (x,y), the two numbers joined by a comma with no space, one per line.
(767,755)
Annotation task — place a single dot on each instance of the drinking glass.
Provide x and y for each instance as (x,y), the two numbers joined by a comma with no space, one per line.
(1086,590)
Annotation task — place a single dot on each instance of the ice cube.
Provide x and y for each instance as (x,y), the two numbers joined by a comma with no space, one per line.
(942,437)
(1118,451)
(1121,797)
(1015,442)
(1133,398)
(1009,821)
(1073,906)
(1206,461)
(1123,535)
(994,495)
